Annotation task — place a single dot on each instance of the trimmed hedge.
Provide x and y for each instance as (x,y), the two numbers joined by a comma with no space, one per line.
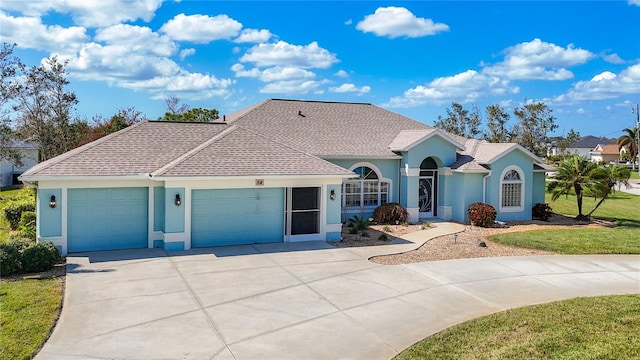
(22,256)
(482,214)
(390,213)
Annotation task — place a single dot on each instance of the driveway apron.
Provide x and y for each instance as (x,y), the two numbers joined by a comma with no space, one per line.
(299,300)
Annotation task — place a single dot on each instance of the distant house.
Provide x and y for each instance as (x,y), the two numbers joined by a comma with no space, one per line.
(586,144)
(278,171)
(9,171)
(606,153)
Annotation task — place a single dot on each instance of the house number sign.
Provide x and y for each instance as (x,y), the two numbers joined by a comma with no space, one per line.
(259,182)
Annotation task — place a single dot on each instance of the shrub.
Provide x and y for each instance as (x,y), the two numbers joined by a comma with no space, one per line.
(390,213)
(39,257)
(14,209)
(481,214)
(541,211)
(387,228)
(359,223)
(10,260)
(383,237)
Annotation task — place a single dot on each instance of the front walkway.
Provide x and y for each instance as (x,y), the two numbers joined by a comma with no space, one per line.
(299,300)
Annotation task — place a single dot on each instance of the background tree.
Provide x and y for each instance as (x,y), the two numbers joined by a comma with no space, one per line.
(460,121)
(629,141)
(45,109)
(534,122)
(124,118)
(10,69)
(565,142)
(176,111)
(575,175)
(497,119)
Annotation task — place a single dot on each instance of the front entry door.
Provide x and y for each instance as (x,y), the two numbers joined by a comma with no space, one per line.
(425,196)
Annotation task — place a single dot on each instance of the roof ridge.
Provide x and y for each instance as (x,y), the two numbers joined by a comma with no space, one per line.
(173,163)
(247,110)
(64,156)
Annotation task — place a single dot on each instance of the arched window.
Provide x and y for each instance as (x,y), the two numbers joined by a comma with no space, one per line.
(366,190)
(512,189)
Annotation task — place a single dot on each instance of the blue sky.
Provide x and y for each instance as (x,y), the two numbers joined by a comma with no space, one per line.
(415,57)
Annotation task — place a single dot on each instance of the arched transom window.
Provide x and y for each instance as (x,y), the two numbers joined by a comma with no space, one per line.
(366,190)
(512,189)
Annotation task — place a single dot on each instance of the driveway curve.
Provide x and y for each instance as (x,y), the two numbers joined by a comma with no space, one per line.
(299,300)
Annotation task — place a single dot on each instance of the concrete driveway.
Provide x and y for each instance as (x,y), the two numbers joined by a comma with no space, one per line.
(299,300)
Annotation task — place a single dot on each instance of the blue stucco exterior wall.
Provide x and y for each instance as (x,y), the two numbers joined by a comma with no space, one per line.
(525,163)
(463,190)
(334,207)
(158,208)
(443,151)
(174,215)
(539,187)
(49,220)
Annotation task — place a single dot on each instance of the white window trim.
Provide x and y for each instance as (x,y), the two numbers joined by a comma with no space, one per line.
(522,187)
(380,180)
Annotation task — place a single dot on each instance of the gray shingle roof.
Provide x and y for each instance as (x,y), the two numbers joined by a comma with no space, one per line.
(327,129)
(274,137)
(141,148)
(591,141)
(239,152)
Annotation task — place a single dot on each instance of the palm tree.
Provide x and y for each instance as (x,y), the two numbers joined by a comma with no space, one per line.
(630,142)
(609,177)
(575,175)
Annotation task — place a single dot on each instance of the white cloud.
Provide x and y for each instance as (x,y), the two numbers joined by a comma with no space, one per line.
(201,28)
(580,111)
(634,2)
(253,36)
(613,58)
(606,85)
(118,65)
(138,39)
(90,13)
(30,32)
(285,54)
(292,87)
(192,86)
(348,22)
(539,60)
(276,73)
(341,73)
(394,21)
(468,86)
(350,88)
(187,52)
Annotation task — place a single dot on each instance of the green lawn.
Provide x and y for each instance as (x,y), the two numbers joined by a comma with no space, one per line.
(583,328)
(29,308)
(621,208)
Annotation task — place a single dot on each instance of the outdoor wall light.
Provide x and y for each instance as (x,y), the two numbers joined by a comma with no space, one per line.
(332,196)
(52,201)
(178,200)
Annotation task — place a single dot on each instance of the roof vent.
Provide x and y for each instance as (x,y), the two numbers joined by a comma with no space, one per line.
(300,113)
(224,118)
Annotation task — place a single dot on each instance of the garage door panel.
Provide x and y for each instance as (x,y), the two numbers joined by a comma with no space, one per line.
(237,216)
(105,219)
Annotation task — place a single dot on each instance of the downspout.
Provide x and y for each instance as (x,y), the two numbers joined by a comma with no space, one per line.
(484,187)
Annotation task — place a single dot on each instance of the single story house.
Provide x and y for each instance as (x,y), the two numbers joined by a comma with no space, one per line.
(9,171)
(280,170)
(582,146)
(606,153)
